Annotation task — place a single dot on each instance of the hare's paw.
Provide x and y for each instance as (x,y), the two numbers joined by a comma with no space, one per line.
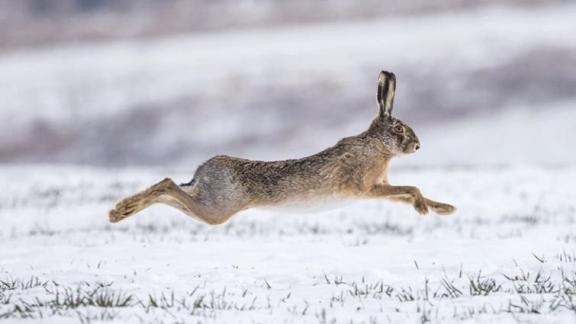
(124,209)
(420,206)
(125,206)
(442,208)
(120,212)
(114,216)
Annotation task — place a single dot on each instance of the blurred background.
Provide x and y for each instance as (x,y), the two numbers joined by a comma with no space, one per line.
(170,83)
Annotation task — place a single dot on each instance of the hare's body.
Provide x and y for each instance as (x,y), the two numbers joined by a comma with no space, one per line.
(346,170)
(356,167)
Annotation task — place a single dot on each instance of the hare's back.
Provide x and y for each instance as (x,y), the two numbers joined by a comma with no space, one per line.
(269,182)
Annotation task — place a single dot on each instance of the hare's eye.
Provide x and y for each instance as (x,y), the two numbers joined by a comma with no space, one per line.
(398,129)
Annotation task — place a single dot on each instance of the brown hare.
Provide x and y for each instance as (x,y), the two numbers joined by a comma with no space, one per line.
(356,167)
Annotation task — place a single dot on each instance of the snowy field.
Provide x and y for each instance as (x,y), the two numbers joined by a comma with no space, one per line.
(508,255)
(490,93)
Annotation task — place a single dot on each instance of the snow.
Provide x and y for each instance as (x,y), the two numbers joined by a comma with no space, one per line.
(507,255)
(265,266)
(369,262)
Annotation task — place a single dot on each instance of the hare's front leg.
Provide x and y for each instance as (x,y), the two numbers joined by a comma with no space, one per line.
(413,196)
(402,193)
(436,206)
(439,207)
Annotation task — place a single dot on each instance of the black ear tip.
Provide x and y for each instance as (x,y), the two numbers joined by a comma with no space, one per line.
(387,75)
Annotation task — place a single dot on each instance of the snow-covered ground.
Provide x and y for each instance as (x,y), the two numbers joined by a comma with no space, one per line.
(509,254)
(490,95)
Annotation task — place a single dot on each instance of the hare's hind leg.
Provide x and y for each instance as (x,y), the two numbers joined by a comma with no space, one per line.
(135,203)
(189,201)
(179,197)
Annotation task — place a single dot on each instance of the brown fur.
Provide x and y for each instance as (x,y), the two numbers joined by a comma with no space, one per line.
(356,167)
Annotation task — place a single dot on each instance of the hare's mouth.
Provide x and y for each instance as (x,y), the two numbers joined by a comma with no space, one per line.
(411,148)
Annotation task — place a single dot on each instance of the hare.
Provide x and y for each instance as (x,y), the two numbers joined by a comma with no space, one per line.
(356,167)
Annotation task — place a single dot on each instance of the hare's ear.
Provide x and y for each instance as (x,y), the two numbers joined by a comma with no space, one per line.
(386,91)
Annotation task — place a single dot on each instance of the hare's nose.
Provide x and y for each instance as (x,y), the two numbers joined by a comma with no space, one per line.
(416,146)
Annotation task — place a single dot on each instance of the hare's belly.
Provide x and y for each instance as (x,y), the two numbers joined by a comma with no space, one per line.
(311,205)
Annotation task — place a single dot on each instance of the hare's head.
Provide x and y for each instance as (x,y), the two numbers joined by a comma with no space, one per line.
(396,135)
